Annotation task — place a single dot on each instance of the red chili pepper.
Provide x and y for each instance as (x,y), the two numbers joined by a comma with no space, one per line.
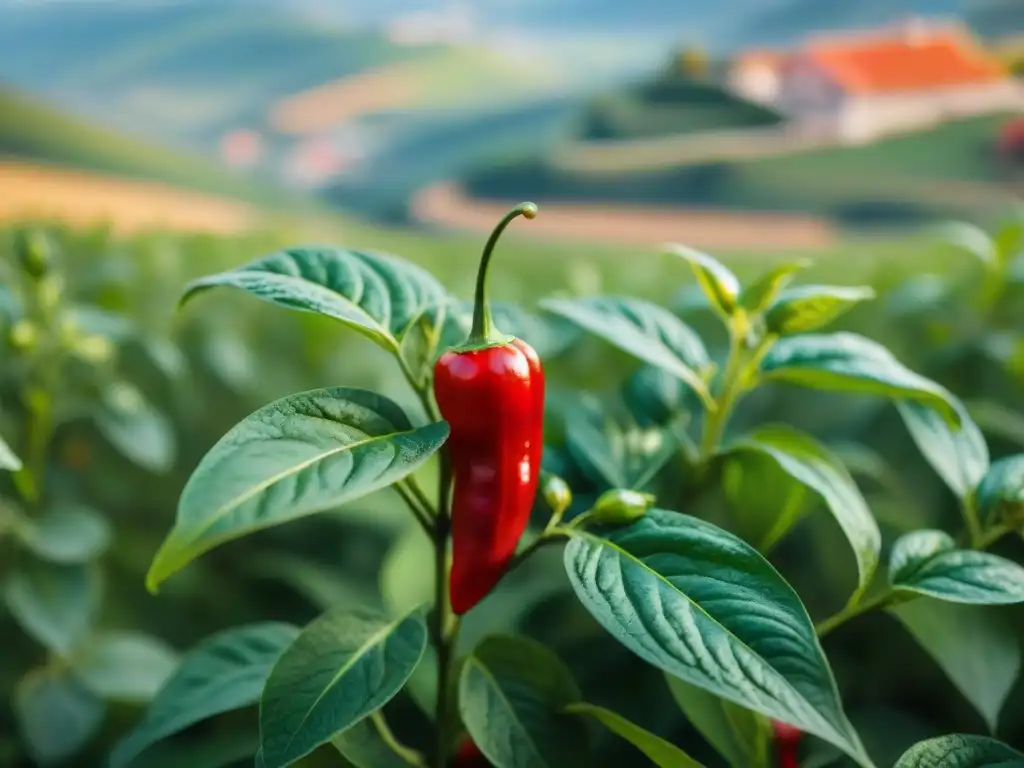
(787,741)
(470,756)
(491,392)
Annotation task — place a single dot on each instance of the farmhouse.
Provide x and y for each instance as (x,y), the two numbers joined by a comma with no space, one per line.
(857,87)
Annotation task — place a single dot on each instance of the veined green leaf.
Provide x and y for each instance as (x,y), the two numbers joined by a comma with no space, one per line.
(125,666)
(375,294)
(642,329)
(8,459)
(740,736)
(512,697)
(663,754)
(225,672)
(56,714)
(55,604)
(699,603)
(959,457)
(67,534)
(341,668)
(757,296)
(961,750)
(716,280)
(928,562)
(295,457)
(809,462)
(847,362)
(804,308)
(987,673)
(1000,494)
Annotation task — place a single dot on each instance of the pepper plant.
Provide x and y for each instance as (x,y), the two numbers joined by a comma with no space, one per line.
(60,367)
(678,578)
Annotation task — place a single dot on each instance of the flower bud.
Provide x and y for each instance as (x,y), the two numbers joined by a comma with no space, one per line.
(556,492)
(621,507)
(34,250)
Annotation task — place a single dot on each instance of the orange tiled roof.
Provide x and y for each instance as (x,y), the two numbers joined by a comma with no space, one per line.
(893,65)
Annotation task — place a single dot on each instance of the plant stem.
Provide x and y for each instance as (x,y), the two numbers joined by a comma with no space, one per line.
(407,754)
(443,639)
(419,510)
(975,534)
(715,420)
(850,611)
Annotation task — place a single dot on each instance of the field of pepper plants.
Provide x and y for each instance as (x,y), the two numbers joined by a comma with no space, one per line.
(274,504)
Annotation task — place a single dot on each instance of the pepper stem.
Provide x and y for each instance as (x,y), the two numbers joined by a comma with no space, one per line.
(482,322)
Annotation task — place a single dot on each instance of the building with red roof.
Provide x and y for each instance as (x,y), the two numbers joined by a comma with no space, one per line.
(860,86)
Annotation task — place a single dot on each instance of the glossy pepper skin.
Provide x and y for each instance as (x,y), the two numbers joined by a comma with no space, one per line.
(491,392)
(470,756)
(787,743)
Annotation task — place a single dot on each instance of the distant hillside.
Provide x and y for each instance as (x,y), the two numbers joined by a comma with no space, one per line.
(997,17)
(668,106)
(31,129)
(185,69)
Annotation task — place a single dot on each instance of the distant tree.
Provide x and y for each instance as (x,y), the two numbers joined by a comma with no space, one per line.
(690,62)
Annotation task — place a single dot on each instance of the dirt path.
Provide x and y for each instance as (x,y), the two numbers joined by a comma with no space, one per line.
(29,190)
(446,205)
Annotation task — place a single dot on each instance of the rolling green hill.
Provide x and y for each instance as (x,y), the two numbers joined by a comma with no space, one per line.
(949,170)
(668,105)
(34,130)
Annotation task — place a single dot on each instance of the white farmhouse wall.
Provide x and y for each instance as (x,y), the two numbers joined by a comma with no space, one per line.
(754,82)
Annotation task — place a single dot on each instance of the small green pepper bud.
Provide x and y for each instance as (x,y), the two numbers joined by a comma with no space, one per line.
(620,507)
(23,336)
(34,250)
(556,492)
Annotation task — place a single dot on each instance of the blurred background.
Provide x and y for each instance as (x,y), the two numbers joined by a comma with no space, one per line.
(153,141)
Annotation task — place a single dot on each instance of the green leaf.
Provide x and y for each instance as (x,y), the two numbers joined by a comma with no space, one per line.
(1000,494)
(56,715)
(125,666)
(616,455)
(976,649)
(298,456)
(699,603)
(203,750)
(655,397)
(961,750)
(928,562)
(512,695)
(810,463)
(364,746)
(804,308)
(970,239)
(716,280)
(375,294)
(847,362)
(644,330)
(55,604)
(959,457)
(137,429)
(662,753)
(225,672)
(757,296)
(342,667)
(8,459)
(740,736)
(765,502)
(67,534)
